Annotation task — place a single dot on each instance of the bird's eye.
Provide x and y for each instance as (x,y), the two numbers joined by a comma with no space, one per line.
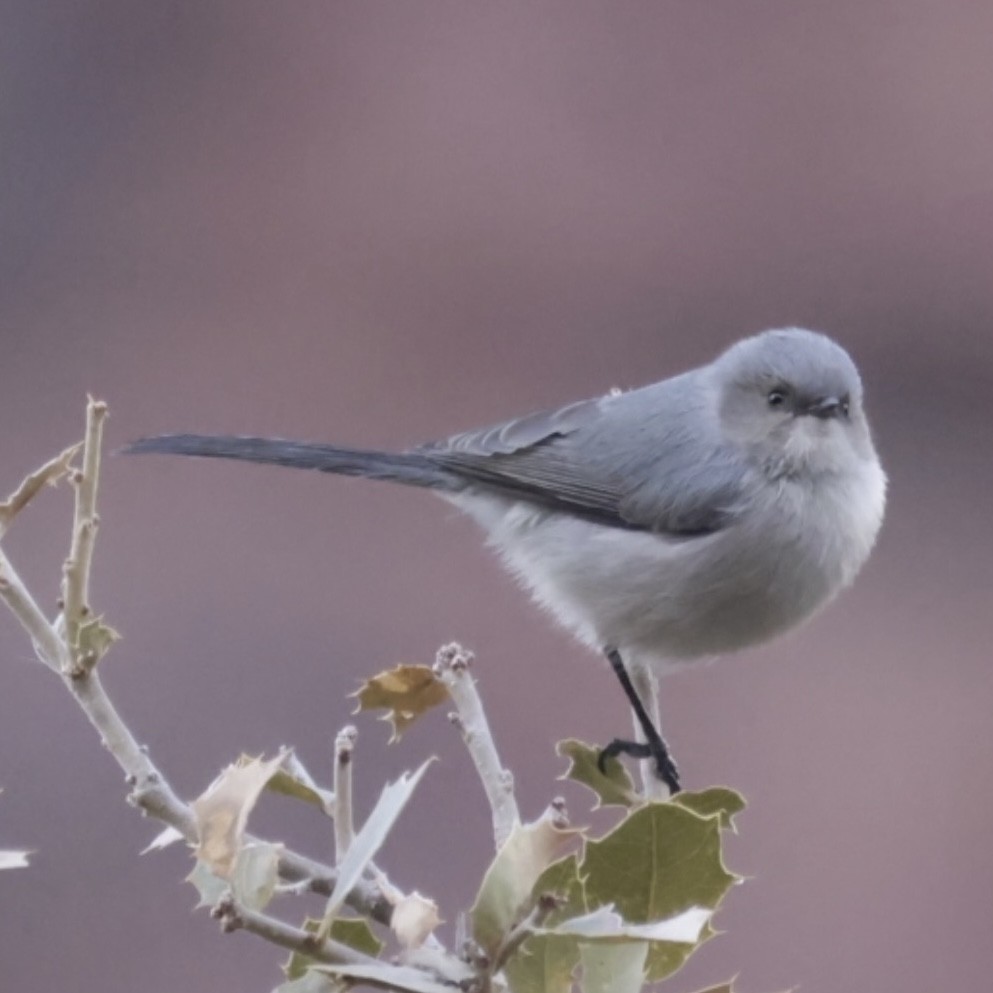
(777,397)
(844,406)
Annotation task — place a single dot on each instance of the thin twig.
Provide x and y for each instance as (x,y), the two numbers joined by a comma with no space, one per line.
(50,473)
(344,824)
(234,917)
(524,929)
(150,790)
(452,668)
(76,570)
(48,645)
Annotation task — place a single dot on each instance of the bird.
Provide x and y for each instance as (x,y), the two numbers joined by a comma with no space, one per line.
(687,519)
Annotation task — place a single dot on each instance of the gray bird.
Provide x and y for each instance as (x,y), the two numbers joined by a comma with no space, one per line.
(682,520)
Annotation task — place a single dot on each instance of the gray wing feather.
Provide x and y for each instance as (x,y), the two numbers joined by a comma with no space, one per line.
(651,460)
(517,435)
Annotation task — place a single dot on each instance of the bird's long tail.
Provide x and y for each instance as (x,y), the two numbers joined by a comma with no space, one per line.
(411,468)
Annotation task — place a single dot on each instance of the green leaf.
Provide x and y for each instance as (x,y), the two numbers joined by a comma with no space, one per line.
(617,968)
(718,801)
(352,931)
(613,787)
(663,859)
(94,639)
(209,886)
(505,894)
(543,964)
(405,692)
(255,874)
(728,988)
(606,925)
(356,933)
(391,977)
(293,779)
(312,982)
(548,961)
(561,880)
(298,963)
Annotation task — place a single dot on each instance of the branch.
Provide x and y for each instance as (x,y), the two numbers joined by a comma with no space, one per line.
(344,826)
(150,791)
(76,570)
(452,668)
(234,917)
(51,472)
(49,646)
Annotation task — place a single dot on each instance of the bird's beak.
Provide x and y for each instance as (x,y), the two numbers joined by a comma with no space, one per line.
(827,407)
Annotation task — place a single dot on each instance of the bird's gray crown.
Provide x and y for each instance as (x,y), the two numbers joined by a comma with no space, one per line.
(808,362)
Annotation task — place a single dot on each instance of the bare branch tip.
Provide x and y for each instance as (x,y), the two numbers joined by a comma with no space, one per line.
(454,657)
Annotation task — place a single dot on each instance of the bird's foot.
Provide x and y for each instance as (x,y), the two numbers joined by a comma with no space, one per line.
(665,767)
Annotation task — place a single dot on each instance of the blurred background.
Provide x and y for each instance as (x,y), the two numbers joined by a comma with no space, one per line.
(381,223)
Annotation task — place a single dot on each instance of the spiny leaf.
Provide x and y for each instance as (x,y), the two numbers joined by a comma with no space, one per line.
(405,692)
(255,875)
(208,885)
(356,933)
(545,963)
(166,837)
(717,801)
(605,925)
(312,982)
(505,894)
(391,977)
(561,879)
(372,835)
(661,860)
(616,968)
(293,779)
(612,787)
(548,961)
(222,811)
(95,638)
(414,917)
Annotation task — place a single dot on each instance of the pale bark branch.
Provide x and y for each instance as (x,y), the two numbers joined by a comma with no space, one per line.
(452,668)
(76,570)
(344,822)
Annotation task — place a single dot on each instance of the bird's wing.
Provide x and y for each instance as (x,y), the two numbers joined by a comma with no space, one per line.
(635,461)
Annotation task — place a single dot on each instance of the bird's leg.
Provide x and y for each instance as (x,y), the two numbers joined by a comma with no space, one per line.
(653,746)
(646,685)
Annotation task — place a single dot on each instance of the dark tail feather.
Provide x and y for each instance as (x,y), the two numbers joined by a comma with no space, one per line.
(410,468)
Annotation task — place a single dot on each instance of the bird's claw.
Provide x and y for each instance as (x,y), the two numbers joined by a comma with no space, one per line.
(665,767)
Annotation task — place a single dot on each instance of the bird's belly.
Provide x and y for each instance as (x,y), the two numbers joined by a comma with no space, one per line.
(668,599)
(661,598)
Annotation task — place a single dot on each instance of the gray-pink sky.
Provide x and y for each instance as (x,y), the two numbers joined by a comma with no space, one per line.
(380,223)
